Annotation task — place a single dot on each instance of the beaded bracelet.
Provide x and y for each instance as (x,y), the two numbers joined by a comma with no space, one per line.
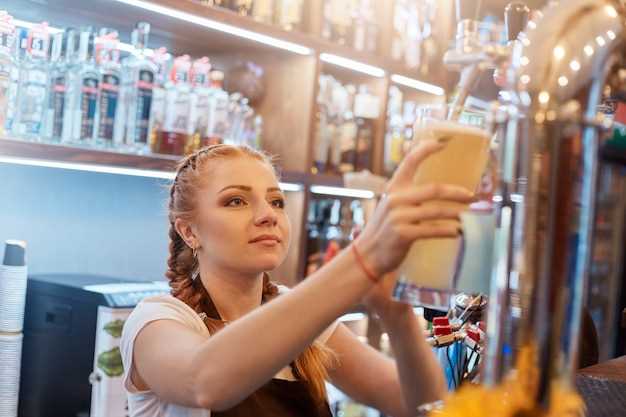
(359,259)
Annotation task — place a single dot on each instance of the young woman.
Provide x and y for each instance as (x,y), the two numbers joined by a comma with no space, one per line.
(218,346)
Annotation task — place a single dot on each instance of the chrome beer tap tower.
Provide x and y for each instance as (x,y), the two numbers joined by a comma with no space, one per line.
(559,66)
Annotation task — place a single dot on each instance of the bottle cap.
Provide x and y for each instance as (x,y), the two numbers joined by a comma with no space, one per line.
(441,321)
(442,330)
(14,253)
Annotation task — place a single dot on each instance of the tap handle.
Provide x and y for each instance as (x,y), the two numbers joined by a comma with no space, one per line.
(515,19)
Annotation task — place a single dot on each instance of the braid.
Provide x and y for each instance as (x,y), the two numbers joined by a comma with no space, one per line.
(180,266)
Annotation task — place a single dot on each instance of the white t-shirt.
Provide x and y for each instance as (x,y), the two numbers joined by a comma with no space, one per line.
(166,307)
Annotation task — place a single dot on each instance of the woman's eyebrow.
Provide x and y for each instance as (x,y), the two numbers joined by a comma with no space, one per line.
(239,187)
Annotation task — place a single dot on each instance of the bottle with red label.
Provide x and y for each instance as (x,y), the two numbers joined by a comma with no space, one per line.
(217,121)
(8,65)
(139,74)
(32,86)
(200,95)
(84,93)
(174,134)
(57,90)
(109,119)
(163,61)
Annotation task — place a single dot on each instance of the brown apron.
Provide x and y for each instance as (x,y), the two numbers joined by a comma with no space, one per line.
(277,398)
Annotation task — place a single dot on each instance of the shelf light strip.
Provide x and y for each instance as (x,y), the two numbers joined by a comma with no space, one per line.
(352,65)
(342,192)
(109,169)
(417,84)
(219,26)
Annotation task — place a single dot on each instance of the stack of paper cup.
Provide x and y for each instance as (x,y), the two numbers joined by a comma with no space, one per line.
(13,277)
(10,359)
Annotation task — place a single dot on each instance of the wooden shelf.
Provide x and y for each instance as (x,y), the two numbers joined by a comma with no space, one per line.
(10,147)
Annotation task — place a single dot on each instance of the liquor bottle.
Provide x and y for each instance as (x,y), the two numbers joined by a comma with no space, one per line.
(137,88)
(200,94)
(234,119)
(20,45)
(263,11)
(242,7)
(174,135)
(400,22)
(163,62)
(333,235)
(33,85)
(289,14)
(217,121)
(348,133)
(109,118)
(341,21)
(8,65)
(55,110)
(366,111)
(83,96)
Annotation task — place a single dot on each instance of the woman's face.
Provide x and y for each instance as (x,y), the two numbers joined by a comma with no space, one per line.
(241,223)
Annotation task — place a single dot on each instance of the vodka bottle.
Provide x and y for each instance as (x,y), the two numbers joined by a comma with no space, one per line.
(200,95)
(174,135)
(217,123)
(33,85)
(289,14)
(139,76)
(263,11)
(84,94)
(57,91)
(19,55)
(8,64)
(163,62)
(109,118)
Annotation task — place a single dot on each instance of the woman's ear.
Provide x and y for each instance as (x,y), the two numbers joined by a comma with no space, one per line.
(185,230)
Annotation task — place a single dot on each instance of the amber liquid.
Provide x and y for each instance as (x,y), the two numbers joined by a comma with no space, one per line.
(171,143)
(432,263)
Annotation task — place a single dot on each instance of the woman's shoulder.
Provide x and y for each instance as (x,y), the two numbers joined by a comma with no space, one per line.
(165,307)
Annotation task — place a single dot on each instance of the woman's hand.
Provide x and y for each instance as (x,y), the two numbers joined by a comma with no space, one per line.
(397,220)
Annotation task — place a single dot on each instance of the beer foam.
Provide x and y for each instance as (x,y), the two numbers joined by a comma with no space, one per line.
(448,127)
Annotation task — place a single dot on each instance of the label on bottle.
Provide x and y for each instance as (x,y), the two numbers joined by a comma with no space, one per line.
(218,115)
(32,104)
(176,117)
(290,12)
(145,85)
(263,10)
(200,111)
(56,105)
(37,46)
(11,98)
(6,40)
(340,12)
(109,98)
(88,102)
(366,106)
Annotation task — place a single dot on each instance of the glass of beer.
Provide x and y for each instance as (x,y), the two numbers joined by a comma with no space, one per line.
(428,274)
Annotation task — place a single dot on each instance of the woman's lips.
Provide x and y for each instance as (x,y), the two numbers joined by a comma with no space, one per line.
(267,240)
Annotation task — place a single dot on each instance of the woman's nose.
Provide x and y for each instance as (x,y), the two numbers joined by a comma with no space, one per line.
(266,215)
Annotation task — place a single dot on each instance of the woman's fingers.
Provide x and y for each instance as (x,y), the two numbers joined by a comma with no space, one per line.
(417,195)
(414,214)
(405,172)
